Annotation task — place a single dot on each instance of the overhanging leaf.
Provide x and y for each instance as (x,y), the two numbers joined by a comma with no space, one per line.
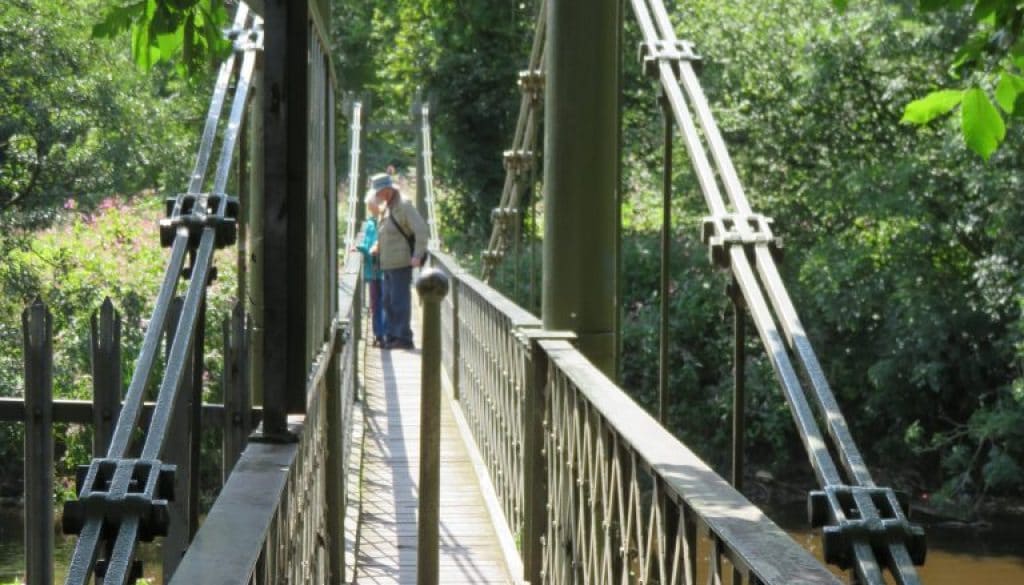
(1008,92)
(982,125)
(931,106)
(118,19)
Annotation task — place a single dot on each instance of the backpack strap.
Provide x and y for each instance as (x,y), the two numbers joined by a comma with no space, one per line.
(408,239)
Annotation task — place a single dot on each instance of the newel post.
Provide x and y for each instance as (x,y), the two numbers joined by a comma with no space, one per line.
(535,476)
(432,287)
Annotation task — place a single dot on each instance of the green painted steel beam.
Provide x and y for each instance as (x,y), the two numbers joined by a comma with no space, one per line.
(581,175)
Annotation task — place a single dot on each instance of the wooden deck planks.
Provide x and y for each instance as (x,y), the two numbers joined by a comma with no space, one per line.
(386,552)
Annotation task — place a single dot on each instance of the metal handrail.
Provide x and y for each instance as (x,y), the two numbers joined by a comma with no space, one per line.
(610,491)
(484,356)
(127,493)
(860,515)
(275,482)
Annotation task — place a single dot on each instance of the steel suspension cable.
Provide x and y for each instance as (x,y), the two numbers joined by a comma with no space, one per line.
(130,494)
(848,506)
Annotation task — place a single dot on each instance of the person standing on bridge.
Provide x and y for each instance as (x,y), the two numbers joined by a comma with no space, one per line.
(371,265)
(402,243)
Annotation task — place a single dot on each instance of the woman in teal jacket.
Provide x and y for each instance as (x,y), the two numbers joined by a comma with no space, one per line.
(371,265)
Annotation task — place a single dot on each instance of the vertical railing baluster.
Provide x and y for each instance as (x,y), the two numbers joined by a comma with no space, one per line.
(666,261)
(37,324)
(421,183)
(237,410)
(336,472)
(455,371)
(105,342)
(535,488)
(432,287)
(739,358)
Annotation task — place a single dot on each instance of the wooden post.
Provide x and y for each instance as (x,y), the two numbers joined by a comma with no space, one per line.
(534,465)
(739,357)
(432,287)
(284,278)
(666,262)
(237,415)
(535,476)
(106,375)
(336,472)
(37,325)
(194,414)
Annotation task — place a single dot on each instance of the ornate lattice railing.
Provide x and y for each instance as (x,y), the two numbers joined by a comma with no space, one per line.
(270,523)
(629,503)
(487,369)
(596,489)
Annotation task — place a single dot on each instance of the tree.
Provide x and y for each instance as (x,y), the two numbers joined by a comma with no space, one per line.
(187,33)
(987,67)
(76,124)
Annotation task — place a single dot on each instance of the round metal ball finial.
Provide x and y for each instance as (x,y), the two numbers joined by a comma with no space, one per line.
(432,285)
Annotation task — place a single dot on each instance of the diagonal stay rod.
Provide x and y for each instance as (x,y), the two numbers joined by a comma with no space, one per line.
(677,75)
(195,184)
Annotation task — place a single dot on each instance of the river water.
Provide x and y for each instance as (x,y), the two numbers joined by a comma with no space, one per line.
(956,556)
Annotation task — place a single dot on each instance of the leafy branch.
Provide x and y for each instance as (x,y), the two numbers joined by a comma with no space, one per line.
(187,33)
(989,65)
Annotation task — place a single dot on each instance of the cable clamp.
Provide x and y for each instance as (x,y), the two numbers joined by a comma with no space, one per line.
(518,161)
(655,53)
(531,82)
(198,211)
(837,509)
(248,39)
(719,232)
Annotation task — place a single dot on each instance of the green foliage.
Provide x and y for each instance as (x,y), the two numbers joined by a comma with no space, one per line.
(990,49)
(982,125)
(81,129)
(85,124)
(903,255)
(465,57)
(188,33)
(112,253)
(932,106)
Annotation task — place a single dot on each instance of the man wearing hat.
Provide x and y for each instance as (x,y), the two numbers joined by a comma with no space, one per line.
(402,243)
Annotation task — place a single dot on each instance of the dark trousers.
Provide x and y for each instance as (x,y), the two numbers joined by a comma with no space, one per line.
(397,304)
(376,309)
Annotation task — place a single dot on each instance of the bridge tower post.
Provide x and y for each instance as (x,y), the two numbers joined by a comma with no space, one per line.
(278,263)
(581,175)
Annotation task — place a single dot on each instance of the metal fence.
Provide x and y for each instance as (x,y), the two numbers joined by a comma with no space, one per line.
(596,489)
(488,369)
(40,412)
(278,518)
